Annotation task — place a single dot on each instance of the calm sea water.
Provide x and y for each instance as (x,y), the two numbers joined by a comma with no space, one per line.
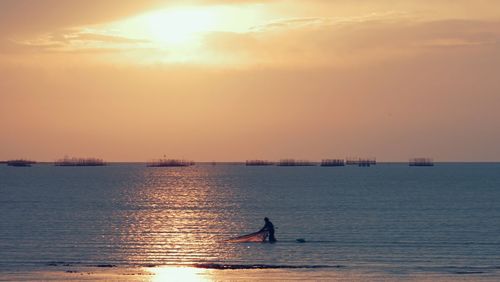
(386,218)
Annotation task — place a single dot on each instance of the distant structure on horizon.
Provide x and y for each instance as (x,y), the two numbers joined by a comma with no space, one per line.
(169,163)
(361,161)
(332,162)
(66,161)
(292,162)
(421,162)
(20,163)
(258,163)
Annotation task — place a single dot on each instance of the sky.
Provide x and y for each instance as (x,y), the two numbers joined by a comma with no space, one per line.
(221,80)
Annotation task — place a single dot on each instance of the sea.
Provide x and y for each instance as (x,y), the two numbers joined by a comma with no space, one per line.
(388,219)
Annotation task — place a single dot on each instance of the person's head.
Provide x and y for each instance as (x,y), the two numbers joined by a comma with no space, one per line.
(266,219)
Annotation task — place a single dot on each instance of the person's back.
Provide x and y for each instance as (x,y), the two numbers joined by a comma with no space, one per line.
(269,227)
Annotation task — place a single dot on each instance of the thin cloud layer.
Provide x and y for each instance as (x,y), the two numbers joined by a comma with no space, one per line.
(299,41)
(320,41)
(19,18)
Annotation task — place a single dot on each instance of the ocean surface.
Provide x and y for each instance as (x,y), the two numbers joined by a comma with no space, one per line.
(390,219)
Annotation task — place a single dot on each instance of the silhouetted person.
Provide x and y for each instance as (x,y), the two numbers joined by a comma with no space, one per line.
(269,227)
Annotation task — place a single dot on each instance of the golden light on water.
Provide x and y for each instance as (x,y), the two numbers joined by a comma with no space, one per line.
(185,274)
(177,221)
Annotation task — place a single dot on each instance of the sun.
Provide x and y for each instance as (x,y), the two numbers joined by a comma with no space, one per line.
(187,274)
(187,24)
(179,26)
(179,34)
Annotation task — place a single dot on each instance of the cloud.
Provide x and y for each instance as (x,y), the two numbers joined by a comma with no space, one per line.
(294,42)
(72,41)
(20,18)
(102,38)
(326,41)
(318,22)
(46,25)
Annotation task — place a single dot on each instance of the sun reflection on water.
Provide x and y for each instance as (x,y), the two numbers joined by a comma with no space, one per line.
(184,274)
(175,216)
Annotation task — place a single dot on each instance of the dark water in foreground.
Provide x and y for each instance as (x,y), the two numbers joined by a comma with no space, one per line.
(388,218)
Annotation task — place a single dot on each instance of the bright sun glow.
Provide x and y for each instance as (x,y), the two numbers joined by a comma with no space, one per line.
(185,274)
(179,26)
(179,34)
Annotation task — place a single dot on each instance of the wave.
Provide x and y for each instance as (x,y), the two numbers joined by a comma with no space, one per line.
(221,266)
(260,266)
(460,270)
(451,269)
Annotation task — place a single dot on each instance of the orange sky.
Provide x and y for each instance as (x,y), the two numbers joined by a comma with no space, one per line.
(235,80)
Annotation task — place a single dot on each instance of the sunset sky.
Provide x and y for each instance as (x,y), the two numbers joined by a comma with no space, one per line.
(128,80)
